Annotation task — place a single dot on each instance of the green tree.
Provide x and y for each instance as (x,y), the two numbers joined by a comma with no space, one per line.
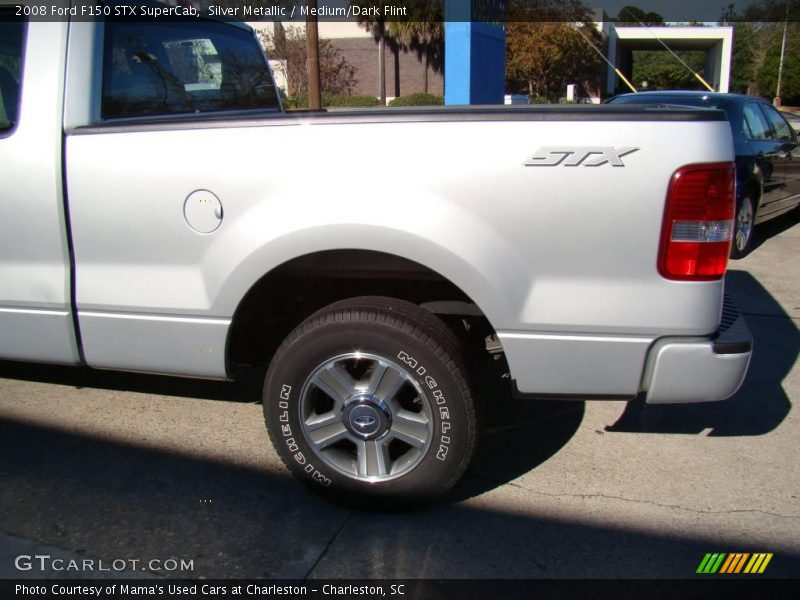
(548,48)
(633,16)
(744,56)
(767,75)
(662,71)
(758,34)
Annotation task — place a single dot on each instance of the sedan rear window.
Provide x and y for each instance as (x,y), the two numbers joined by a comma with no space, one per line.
(756,124)
(779,125)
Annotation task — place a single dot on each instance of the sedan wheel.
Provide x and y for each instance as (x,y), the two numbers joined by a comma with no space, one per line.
(743,228)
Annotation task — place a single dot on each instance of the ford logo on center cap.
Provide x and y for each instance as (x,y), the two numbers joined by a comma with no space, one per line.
(364,421)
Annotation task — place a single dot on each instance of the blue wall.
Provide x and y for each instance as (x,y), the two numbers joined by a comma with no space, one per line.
(474,57)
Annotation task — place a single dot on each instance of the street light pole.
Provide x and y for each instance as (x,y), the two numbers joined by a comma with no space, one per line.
(777,100)
(382,59)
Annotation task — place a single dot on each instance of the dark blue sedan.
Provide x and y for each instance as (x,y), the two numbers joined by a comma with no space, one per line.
(767,155)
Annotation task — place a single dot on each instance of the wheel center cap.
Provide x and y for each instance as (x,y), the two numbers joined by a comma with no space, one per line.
(366,417)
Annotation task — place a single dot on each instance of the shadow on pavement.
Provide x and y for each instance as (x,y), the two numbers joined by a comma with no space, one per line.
(761,404)
(247,387)
(771,228)
(518,435)
(114,500)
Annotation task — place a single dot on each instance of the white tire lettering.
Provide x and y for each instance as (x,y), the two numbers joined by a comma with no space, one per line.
(291,443)
(438,396)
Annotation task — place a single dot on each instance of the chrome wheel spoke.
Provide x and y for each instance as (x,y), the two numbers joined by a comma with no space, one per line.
(376,377)
(325,435)
(385,382)
(335,382)
(373,458)
(411,428)
(744,221)
(317,421)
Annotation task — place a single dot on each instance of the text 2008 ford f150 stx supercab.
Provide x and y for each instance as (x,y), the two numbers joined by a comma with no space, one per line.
(159,212)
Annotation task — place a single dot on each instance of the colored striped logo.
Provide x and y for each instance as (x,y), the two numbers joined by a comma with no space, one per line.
(734,563)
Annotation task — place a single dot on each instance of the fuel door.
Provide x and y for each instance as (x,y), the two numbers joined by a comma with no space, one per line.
(203,211)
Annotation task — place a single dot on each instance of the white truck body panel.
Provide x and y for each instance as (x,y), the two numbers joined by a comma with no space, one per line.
(560,259)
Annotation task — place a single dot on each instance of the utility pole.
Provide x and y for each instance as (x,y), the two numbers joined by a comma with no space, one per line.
(777,100)
(312,60)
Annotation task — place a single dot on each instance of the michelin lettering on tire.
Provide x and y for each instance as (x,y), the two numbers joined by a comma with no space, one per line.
(439,400)
(291,444)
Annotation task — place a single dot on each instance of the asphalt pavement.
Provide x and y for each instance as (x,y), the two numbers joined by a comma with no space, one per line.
(111,467)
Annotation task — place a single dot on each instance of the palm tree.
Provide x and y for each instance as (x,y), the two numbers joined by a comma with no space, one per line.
(376,25)
(425,35)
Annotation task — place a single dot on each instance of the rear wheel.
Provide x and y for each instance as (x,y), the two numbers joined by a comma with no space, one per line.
(367,401)
(743,227)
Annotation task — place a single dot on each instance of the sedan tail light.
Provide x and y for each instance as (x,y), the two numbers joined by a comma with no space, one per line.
(698,222)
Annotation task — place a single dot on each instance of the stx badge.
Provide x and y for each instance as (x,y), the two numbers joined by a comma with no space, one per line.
(579,156)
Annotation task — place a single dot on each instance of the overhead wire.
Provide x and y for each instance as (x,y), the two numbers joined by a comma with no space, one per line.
(679,59)
(603,56)
(597,50)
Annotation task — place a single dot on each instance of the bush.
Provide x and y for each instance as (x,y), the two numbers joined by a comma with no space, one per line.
(541,99)
(333,100)
(336,74)
(417,99)
(341,100)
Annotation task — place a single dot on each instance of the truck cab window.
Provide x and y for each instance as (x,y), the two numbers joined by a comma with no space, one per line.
(12,31)
(174,68)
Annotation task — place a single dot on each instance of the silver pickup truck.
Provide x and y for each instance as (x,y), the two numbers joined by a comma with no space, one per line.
(160,213)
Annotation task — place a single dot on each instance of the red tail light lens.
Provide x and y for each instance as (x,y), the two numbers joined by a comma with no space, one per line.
(698,223)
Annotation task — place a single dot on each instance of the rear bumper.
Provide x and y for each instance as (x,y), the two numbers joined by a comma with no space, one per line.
(703,370)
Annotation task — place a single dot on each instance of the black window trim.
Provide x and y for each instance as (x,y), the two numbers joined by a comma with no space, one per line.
(8,132)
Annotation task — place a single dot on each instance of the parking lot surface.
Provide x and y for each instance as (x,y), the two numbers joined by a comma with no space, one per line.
(117,466)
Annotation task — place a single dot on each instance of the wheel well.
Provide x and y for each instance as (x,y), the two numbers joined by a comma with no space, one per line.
(753,189)
(287,295)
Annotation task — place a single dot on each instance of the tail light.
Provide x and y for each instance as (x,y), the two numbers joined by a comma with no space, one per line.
(698,223)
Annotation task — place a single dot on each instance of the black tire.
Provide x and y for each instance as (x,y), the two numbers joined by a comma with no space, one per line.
(743,224)
(401,365)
